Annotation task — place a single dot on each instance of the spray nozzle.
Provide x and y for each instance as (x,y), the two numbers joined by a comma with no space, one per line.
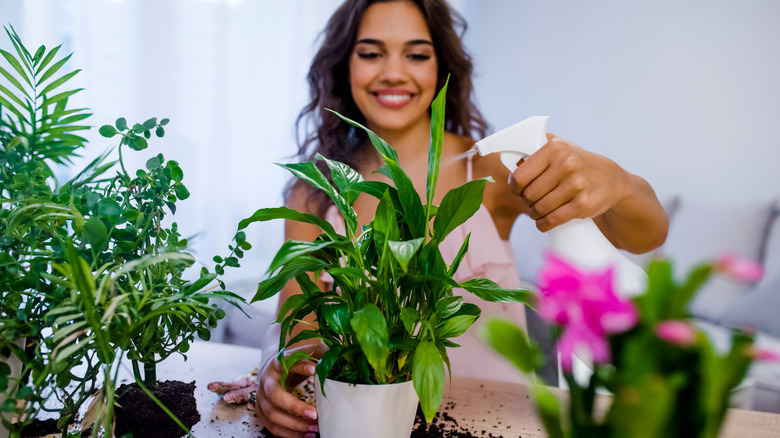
(517,141)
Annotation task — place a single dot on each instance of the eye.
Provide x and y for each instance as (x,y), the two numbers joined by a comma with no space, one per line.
(419,57)
(368,55)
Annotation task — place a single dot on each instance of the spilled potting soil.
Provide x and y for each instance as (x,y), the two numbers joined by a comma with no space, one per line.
(443,425)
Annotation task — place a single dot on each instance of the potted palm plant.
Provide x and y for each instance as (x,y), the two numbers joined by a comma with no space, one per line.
(391,313)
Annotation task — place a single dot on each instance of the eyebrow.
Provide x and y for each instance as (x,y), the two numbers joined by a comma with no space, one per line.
(381,43)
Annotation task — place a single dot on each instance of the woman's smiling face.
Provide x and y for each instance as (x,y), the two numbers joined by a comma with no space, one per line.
(393,67)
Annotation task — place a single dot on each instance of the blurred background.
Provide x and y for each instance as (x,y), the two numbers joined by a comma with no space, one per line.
(685,94)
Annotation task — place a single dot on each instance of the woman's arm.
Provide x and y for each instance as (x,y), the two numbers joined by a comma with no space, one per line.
(562,181)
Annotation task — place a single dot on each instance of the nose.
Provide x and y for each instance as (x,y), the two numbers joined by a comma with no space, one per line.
(394,70)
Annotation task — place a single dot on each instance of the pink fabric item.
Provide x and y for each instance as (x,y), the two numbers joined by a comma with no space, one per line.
(488,256)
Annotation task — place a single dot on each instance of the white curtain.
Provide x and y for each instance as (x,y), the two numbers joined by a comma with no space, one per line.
(229,74)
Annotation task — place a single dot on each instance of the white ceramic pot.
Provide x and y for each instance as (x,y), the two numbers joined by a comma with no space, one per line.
(348,410)
(16,373)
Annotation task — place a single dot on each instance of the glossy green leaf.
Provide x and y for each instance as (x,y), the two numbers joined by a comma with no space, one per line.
(457,206)
(448,306)
(308,172)
(488,290)
(266,214)
(344,177)
(428,376)
(299,265)
(337,317)
(464,247)
(292,249)
(436,145)
(370,330)
(409,317)
(458,323)
(404,251)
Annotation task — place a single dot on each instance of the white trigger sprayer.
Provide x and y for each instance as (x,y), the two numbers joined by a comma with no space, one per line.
(579,241)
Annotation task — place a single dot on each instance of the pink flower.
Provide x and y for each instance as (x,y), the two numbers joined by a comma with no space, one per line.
(585,304)
(761,354)
(680,333)
(738,268)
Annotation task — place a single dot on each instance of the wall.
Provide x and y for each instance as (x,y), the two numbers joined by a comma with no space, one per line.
(684,93)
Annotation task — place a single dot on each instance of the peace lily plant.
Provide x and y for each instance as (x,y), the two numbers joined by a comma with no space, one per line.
(665,377)
(391,313)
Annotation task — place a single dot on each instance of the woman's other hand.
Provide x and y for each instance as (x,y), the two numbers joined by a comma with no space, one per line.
(282,413)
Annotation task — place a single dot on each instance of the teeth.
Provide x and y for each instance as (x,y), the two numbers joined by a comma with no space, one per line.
(395,97)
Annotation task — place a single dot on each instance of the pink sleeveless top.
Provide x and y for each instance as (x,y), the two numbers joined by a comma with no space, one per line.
(489,256)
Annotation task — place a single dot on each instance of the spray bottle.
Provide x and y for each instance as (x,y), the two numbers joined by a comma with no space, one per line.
(579,241)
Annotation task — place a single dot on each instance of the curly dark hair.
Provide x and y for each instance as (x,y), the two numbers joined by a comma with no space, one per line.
(319,131)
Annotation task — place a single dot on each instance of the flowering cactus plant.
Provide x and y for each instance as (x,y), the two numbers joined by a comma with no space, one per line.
(665,377)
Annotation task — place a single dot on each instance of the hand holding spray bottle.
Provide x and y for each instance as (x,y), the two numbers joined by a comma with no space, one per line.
(579,241)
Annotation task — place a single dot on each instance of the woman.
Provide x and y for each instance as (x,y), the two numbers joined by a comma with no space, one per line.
(381,63)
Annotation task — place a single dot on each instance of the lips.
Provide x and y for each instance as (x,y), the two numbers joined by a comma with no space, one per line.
(393,98)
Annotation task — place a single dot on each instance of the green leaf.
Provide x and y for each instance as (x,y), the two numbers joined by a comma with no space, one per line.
(407,194)
(153,163)
(428,376)
(56,83)
(329,358)
(181,191)
(271,286)
(384,224)
(159,131)
(164,122)
(549,409)
(53,69)
(308,172)
(336,317)
(39,53)
(511,342)
(110,210)
(458,323)
(409,317)
(448,306)
(137,143)
(435,147)
(459,257)
(292,249)
(121,124)
(404,251)
(457,206)
(289,361)
(344,177)
(151,123)
(107,131)
(371,332)
(47,59)
(266,214)
(488,290)
(96,232)
(15,82)
(16,65)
